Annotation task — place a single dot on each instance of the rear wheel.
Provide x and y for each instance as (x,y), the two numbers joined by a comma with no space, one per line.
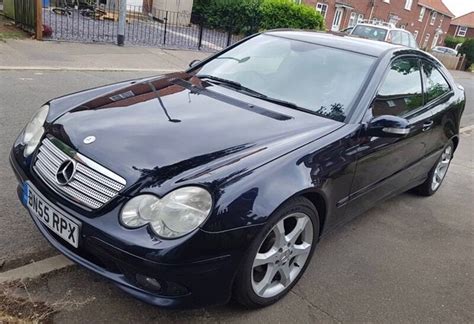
(279,255)
(437,173)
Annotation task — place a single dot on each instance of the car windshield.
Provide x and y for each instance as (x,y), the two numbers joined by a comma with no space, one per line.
(370,32)
(300,75)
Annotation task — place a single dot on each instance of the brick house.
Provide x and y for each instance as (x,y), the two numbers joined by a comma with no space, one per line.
(462,26)
(428,20)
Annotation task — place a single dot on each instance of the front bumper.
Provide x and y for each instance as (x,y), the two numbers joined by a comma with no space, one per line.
(191,272)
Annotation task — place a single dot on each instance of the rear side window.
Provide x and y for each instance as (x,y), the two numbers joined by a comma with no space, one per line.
(405,39)
(401,91)
(435,83)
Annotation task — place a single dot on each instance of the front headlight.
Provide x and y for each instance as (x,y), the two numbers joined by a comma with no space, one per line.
(176,214)
(34,130)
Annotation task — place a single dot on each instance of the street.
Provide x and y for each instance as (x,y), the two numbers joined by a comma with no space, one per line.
(410,259)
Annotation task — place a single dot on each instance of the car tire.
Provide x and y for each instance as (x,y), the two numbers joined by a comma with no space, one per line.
(286,263)
(437,173)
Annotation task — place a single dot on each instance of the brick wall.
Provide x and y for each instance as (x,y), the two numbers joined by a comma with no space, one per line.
(453,30)
(381,10)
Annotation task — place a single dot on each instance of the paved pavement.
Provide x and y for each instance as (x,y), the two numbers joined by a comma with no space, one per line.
(409,260)
(23,54)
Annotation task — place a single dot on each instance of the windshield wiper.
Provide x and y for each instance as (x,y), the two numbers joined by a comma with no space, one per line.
(233,84)
(236,85)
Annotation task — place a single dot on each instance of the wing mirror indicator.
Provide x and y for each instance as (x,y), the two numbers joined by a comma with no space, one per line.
(396,131)
(388,126)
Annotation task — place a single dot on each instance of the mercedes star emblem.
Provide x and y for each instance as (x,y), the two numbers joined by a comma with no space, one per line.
(65,172)
(89,139)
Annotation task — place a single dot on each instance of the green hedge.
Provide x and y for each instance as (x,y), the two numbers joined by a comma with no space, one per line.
(248,16)
(468,48)
(452,41)
(288,14)
(239,16)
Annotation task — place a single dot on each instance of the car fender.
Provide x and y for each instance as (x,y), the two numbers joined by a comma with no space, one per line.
(321,170)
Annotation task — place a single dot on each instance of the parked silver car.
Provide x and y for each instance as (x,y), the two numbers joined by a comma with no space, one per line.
(444,50)
(385,32)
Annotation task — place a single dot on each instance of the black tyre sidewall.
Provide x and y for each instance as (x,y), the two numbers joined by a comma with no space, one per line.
(243,291)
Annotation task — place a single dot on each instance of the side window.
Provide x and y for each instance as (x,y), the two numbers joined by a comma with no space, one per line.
(412,41)
(405,39)
(396,37)
(401,91)
(435,83)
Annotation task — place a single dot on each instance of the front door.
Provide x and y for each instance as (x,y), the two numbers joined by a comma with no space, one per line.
(336,23)
(435,40)
(386,165)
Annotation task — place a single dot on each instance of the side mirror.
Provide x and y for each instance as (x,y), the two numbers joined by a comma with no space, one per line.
(388,126)
(194,63)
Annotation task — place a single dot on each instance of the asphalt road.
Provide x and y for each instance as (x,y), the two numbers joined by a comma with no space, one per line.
(410,259)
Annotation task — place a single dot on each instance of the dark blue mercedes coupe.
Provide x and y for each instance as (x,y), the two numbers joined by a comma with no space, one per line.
(193,187)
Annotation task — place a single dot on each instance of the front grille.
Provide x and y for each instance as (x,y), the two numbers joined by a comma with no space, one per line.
(90,184)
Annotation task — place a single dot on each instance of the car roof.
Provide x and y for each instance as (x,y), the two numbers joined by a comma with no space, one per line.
(382,27)
(340,41)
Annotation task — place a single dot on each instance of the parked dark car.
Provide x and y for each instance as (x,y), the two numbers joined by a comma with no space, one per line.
(192,187)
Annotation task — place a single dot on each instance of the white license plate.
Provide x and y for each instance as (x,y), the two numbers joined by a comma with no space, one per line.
(64,226)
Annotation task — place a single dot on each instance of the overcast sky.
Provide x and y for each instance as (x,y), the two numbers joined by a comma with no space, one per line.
(459,7)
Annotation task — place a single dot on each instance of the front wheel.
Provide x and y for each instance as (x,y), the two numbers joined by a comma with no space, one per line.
(278,256)
(437,173)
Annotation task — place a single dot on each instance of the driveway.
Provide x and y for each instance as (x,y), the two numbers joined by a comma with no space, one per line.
(410,259)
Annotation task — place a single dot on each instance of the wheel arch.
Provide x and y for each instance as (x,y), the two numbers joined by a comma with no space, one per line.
(317,199)
(455,140)
(319,202)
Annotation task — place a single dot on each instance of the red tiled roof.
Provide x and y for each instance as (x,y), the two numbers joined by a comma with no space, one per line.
(436,5)
(466,20)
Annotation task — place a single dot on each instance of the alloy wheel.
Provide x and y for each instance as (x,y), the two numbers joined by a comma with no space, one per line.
(282,255)
(442,167)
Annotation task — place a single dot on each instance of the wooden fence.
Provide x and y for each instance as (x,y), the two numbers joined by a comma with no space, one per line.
(28,16)
(451,62)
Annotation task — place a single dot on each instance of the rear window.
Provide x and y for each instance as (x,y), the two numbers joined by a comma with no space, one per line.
(370,32)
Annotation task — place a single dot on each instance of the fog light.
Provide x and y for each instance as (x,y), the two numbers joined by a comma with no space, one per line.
(148,283)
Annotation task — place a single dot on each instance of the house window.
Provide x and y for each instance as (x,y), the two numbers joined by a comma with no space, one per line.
(408,4)
(441,21)
(322,8)
(415,34)
(360,18)
(393,19)
(422,14)
(352,19)
(462,31)
(433,17)
(387,1)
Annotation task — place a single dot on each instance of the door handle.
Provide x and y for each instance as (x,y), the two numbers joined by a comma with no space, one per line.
(427,126)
